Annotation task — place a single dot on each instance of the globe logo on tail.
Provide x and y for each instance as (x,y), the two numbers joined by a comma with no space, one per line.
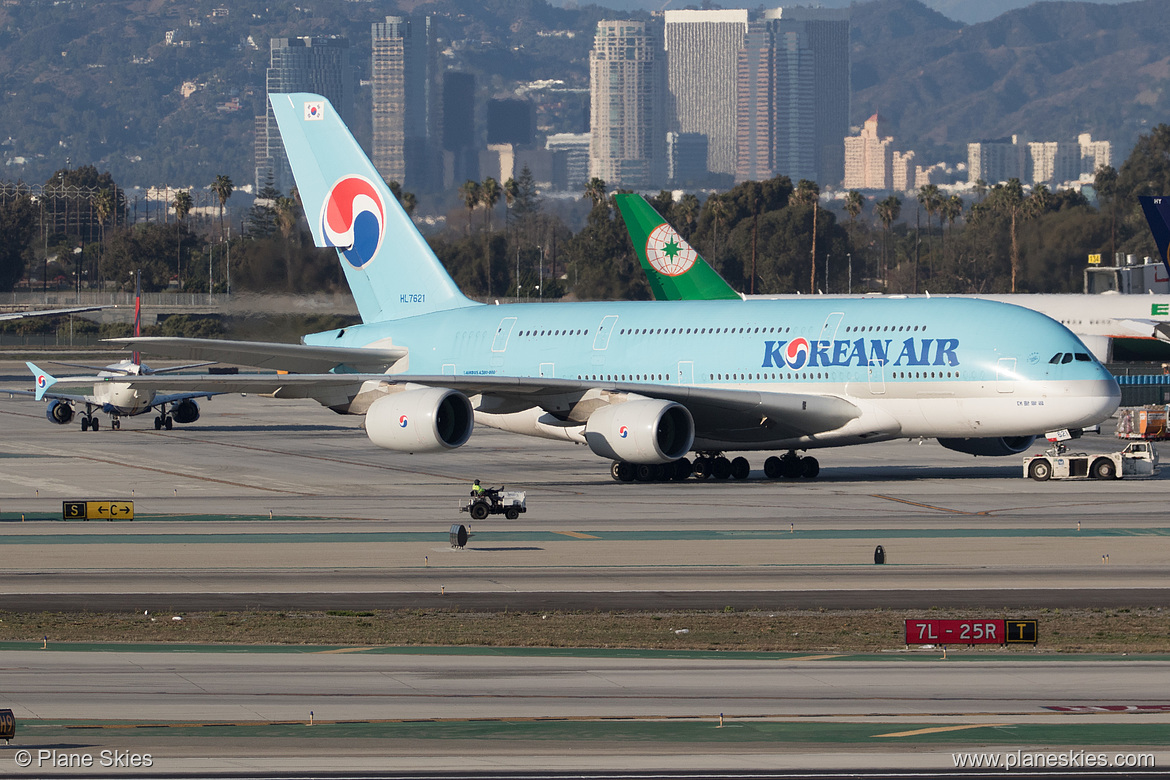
(796,354)
(353,219)
(667,253)
(42,383)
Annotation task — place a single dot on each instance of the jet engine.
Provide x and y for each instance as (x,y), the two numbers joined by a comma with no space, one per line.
(644,431)
(997,446)
(429,420)
(185,411)
(60,412)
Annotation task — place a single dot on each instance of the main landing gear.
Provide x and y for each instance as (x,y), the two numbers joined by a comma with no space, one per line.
(713,465)
(163,421)
(88,421)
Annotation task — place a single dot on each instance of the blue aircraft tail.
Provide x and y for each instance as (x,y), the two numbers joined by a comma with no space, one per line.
(44,379)
(1158,215)
(391,270)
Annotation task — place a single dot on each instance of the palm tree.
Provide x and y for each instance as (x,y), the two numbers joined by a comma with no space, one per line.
(952,209)
(809,194)
(687,211)
(595,191)
(720,212)
(887,212)
(223,188)
(286,220)
(470,192)
(511,192)
(183,204)
(103,207)
(1009,199)
(489,196)
(931,199)
(409,203)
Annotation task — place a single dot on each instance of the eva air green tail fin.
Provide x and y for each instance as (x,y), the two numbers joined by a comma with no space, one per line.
(676,272)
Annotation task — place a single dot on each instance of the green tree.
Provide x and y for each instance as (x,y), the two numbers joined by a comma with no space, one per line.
(286,222)
(1105,183)
(18,227)
(1010,201)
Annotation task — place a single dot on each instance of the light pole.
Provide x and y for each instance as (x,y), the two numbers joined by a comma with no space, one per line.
(849,260)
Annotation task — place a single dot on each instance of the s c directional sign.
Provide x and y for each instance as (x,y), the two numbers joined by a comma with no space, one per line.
(97,510)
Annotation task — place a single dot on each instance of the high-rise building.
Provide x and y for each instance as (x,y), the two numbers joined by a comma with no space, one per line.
(1037,162)
(702,56)
(1094,154)
(869,158)
(511,121)
(997,160)
(318,64)
(905,172)
(461,159)
(406,103)
(627,118)
(824,36)
(686,159)
(570,159)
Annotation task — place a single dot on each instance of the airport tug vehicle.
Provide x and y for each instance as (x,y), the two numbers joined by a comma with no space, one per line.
(1138,459)
(496,501)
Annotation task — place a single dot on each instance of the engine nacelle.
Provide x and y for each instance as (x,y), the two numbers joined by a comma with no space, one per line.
(646,431)
(996,446)
(185,411)
(429,420)
(60,412)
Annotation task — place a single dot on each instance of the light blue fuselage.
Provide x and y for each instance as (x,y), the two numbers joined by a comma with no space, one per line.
(986,365)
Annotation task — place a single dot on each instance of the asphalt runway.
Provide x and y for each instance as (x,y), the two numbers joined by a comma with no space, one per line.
(206,712)
(282,504)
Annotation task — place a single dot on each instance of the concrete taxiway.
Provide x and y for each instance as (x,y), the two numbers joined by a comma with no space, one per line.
(283,504)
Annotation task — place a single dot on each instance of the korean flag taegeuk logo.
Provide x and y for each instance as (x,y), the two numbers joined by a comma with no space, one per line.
(314,109)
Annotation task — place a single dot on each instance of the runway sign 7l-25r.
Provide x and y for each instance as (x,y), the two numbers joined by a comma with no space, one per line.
(970,632)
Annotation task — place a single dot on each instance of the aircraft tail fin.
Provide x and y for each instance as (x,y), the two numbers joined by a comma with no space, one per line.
(1157,209)
(44,379)
(391,270)
(676,272)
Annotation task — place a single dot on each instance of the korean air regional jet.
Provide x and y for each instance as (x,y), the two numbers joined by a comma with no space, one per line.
(118,399)
(661,388)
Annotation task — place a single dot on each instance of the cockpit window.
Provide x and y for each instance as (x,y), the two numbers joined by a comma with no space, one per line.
(1068,358)
(1055,359)
(1083,357)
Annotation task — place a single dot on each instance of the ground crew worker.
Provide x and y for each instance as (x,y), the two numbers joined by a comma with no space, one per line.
(477,489)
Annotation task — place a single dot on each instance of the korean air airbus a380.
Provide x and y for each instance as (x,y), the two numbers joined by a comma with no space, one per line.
(644,384)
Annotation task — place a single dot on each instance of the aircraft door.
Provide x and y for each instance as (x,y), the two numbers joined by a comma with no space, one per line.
(877,376)
(832,323)
(604,330)
(686,372)
(547,370)
(503,332)
(1005,375)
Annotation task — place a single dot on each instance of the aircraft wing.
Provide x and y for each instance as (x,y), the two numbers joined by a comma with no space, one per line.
(735,414)
(301,358)
(19,315)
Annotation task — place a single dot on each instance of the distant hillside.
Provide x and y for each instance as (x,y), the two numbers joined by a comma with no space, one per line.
(88,82)
(1048,71)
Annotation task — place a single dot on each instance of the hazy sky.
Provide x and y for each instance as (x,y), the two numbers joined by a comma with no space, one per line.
(969,11)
